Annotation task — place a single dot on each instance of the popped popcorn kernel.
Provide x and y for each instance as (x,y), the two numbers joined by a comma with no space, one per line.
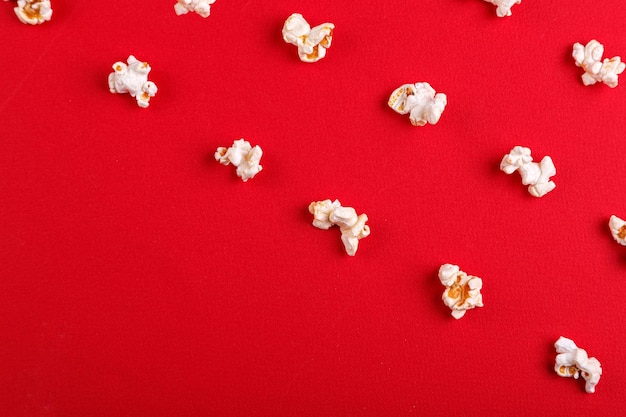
(420,100)
(572,362)
(243,156)
(329,213)
(312,43)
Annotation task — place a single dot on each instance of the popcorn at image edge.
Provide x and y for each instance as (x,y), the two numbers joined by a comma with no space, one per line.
(132,78)
(462,291)
(420,100)
(312,43)
(201,7)
(243,156)
(504,6)
(589,58)
(572,362)
(618,229)
(33,12)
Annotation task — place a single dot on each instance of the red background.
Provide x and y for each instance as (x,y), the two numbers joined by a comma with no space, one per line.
(139,277)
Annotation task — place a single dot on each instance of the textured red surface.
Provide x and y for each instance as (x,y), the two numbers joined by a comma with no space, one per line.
(141,278)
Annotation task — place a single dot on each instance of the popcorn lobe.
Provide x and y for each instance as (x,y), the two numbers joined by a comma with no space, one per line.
(618,229)
(504,6)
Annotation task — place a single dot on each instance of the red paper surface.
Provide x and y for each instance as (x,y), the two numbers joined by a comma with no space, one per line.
(139,277)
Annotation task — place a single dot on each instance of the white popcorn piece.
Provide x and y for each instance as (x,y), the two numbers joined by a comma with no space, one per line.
(243,156)
(201,7)
(618,229)
(328,213)
(535,175)
(420,100)
(572,361)
(33,12)
(311,43)
(589,58)
(132,78)
(462,291)
(504,6)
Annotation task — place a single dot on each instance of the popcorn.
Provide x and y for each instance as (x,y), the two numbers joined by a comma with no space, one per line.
(33,12)
(589,57)
(202,7)
(462,291)
(133,79)
(618,229)
(420,101)
(572,362)
(536,176)
(504,6)
(243,156)
(353,227)
(311,43)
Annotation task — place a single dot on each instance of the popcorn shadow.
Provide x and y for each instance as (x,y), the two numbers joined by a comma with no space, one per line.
(494,167)
(568,60)
(550,355)
(275,37)
(435,288)
(208,158)
(305,217)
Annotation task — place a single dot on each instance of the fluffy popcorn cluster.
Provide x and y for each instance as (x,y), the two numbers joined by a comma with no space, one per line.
(618,229)
(311,43)
(535,175)
(462,291)
(504,6)
(243,156)
(201,7)
(589,58)
(420,100)
(328,213)
(573,362)
(33,12)
(132,78)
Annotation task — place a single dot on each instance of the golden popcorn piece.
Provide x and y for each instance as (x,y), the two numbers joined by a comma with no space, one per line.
(420,100)
(132,78)
(312,43)
(589,58)
(462,291)
(572,362)
(329,213)
(33,12)
(243,156)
